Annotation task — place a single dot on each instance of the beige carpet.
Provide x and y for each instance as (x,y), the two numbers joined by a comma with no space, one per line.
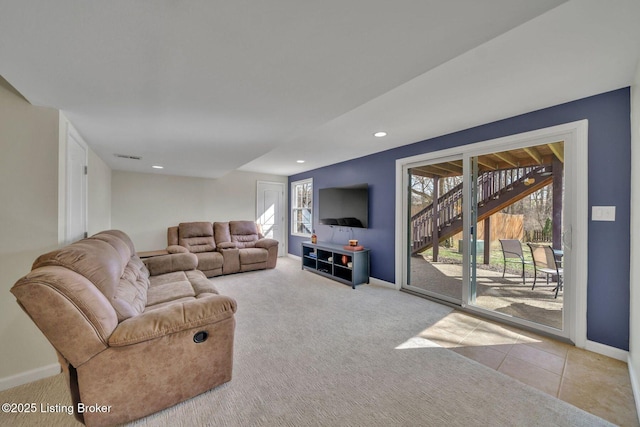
(313,352)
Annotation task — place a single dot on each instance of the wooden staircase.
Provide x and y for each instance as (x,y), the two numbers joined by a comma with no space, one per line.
(497,189)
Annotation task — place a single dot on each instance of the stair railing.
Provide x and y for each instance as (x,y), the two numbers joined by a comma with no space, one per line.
(491,185)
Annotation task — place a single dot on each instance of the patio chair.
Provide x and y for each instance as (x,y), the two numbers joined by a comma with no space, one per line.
(544,261)
(512,252)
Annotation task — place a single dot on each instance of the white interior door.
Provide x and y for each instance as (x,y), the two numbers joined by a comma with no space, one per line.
(270,212)
(76,185)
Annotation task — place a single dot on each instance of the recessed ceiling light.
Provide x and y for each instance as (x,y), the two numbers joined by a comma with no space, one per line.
(299,161)
(380,134)
(157,167)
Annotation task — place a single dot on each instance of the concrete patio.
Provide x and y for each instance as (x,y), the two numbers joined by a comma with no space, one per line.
(506,295)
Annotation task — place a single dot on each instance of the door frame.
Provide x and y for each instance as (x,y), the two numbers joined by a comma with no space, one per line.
(66,133)
(575,137)
(282,220)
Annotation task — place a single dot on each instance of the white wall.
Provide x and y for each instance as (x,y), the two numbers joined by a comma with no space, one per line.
(33,140)
(29,221)
(634,319)
(145,205)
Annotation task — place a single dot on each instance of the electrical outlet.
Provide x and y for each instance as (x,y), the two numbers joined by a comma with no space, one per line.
(603,213)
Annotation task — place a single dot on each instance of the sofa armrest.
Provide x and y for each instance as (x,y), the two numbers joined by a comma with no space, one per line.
(226,245)
(177,249)
(266,243)
(173,318)
(230,259)
(170,263)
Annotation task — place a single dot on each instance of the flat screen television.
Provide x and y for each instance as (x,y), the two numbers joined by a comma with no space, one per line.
(344,206)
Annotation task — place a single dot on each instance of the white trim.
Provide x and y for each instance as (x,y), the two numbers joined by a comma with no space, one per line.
(579,239)
(402,193)
(635,387)
(574,135)
(67,131)
(467,191)
(291,216)
(62,168)
(29,376)
(606,350)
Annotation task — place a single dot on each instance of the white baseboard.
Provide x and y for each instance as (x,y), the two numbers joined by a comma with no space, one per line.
(635,386)
(29,376)
(606,350)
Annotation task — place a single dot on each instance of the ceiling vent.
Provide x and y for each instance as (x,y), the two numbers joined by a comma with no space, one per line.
(126,156)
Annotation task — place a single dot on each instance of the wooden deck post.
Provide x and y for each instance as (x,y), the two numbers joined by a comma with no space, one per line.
(556,220)
(435,238)
(487,240)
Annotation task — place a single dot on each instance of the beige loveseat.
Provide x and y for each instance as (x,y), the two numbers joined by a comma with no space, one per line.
(224,247)
(132,337)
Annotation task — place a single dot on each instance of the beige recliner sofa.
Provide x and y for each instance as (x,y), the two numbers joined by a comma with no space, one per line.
(224,247)
(132,337)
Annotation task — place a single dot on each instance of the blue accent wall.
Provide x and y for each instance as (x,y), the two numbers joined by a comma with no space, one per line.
(609,185)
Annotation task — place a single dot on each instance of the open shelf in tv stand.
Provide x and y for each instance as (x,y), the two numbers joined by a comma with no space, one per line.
(332,261)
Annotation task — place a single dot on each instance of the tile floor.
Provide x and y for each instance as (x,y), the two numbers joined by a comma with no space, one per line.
(593,382)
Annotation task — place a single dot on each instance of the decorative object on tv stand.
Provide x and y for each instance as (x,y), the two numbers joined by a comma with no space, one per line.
(314,237)
(353,246)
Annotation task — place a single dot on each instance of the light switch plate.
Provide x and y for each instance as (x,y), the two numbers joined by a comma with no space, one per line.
(603,213)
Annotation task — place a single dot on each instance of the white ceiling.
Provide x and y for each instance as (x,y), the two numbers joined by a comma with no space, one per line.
(206,87)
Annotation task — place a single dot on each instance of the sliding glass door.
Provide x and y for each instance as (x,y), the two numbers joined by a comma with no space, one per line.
(435,229)
(516,224)
(487,229)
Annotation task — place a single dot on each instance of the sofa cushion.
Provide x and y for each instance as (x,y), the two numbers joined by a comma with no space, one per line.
(123,248)
(253,255)
(242,241)
(209,260)
(244,233)
(221,232)
(131,296)
(201,285)
(169,292)
(96,260)
(178,286)
(196,236)
(108,264)
(121,235)
(167,303)
(177,316)
(163,279)
(162,264)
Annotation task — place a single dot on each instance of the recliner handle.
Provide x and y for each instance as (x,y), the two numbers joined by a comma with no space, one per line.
(200,337)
